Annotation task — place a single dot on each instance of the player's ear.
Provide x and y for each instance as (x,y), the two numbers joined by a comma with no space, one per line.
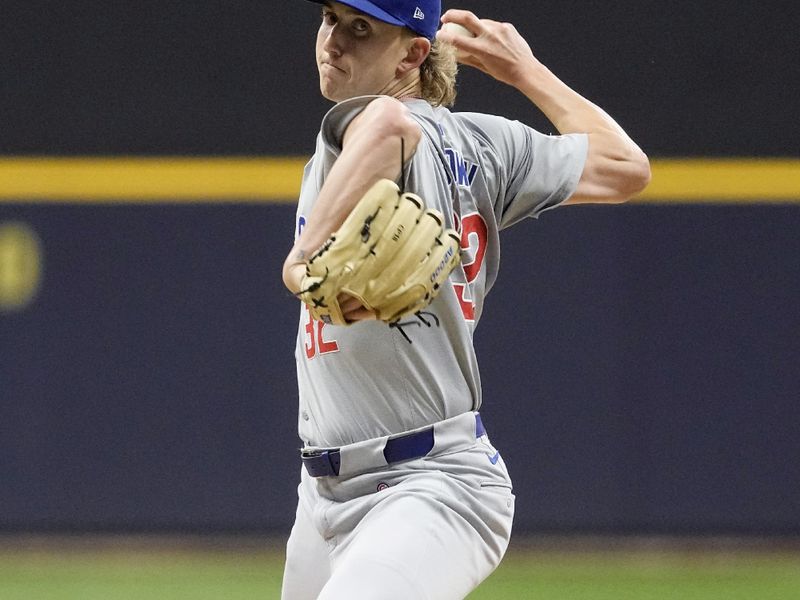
(417,51)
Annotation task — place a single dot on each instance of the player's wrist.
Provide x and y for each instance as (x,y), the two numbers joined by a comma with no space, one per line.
(293,272)
(532,77)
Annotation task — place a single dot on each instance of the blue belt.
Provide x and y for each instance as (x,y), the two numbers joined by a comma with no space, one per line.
(326,463)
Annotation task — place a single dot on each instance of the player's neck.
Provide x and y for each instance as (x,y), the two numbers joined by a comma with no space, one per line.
(410,86)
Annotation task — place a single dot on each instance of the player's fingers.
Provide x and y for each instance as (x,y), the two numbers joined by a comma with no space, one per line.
(348,303)
(353,310)
(463,43)
(360,314)
(486,35)
(464,17)
(471,61)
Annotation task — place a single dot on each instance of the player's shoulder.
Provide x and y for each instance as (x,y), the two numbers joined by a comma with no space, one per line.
(488,125)
(338,118)
(381,110)
(347,109)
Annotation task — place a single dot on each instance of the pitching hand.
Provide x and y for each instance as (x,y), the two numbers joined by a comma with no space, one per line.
(497,48)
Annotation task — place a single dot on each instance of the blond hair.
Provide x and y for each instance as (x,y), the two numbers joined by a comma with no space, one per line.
(438,75)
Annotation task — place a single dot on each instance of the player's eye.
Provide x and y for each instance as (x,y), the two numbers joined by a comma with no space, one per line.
(360,26)
(329,17)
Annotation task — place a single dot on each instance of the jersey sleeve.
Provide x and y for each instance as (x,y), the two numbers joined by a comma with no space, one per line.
(535,172)
(336,121)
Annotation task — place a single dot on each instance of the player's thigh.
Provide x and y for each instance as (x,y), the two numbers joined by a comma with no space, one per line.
(307,566)
(410,546)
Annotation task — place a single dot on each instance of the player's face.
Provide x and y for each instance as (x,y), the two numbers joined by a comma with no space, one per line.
(356,54)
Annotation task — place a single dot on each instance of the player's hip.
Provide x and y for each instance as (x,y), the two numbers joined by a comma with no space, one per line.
(458,447)
(468,487)
(441,438)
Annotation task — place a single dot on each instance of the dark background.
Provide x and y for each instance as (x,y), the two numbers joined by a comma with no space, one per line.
(640,363)
(684,78)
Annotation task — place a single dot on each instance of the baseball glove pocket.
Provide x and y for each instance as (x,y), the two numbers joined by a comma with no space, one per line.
(391,253)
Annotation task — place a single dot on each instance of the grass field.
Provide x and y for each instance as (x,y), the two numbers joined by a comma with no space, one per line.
(112,570)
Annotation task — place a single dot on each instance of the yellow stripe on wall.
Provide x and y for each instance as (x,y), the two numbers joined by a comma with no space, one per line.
(724,180)
(150,179)
(265,179)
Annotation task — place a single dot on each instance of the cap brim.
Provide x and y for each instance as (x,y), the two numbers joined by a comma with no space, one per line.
(368,8)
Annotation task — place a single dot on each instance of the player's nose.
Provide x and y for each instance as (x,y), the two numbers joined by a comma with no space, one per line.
(332,42)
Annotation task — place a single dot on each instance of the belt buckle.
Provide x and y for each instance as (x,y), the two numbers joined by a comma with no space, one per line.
(306,453)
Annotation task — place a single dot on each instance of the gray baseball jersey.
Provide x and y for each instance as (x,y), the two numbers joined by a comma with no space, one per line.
(484,173)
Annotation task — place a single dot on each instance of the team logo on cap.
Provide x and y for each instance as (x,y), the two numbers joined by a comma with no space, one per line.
(418,14)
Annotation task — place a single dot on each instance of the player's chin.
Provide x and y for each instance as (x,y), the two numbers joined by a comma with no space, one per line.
(330,88)
(330,92)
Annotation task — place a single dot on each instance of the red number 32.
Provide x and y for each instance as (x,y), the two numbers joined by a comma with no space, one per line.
(474,238)
(315,338)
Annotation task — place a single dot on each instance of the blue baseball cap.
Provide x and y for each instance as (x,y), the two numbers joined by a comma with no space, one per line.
(420,16)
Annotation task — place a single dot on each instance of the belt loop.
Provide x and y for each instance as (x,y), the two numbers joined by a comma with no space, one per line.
(323,464)
(407,447)
(335,459)
(480,430)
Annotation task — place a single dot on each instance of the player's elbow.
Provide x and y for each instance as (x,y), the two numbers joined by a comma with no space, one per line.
(633,176)
(616,169)
(640,174)
(386,118)
(612,180)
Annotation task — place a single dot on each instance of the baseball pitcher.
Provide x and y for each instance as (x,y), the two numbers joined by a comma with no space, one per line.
(402,494)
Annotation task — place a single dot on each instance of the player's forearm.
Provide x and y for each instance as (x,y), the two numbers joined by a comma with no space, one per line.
(365,159)
(616,167)
(370,151)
